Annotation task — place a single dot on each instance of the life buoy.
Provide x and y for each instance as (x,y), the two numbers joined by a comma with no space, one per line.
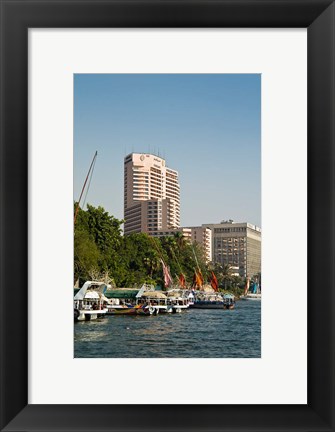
(151,310)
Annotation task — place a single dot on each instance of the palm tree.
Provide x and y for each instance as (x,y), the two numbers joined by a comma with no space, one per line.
(152,262)
(180,241)
(226,274)
(223,274)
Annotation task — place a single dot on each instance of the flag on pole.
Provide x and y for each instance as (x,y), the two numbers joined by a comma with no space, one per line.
(198,280)
(182,280)
(214,282)
(166,274)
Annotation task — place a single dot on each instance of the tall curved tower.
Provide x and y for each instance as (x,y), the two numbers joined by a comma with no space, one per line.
(151,194)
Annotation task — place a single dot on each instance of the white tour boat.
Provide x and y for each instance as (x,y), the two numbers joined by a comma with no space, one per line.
(156,301)
(178,300)
(90,302)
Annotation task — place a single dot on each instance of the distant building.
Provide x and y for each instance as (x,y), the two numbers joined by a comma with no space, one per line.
(234,271)
(237,245)
(166,233)
(151,195)
(203,236)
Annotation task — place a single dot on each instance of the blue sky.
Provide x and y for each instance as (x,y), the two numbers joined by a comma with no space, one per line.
(206,126)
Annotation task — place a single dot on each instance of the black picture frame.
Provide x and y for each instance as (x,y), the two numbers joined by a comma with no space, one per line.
(17,16)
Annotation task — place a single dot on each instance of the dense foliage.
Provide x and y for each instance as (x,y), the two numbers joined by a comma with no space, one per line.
(100,247)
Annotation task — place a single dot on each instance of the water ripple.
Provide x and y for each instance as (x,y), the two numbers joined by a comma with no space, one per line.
(192,334)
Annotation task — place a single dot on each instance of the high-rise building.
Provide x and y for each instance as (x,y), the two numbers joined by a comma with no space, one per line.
(237,245)
(203,236)
(151,195)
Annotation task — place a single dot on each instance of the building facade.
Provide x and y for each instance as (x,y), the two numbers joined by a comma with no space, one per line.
(151,195)
(203,236)
(186,232)
(237,245)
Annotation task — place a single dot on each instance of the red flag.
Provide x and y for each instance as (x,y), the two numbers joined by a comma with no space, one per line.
(182,280)
(167,276)
(201,278)
(214,282)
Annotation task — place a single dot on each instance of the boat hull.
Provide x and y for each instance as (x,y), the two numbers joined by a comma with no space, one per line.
(254,297)
(121,312)
(128,311)
(88,315)
(207,305)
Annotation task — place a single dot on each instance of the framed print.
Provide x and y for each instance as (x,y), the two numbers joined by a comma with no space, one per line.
(205,83)
(51,53)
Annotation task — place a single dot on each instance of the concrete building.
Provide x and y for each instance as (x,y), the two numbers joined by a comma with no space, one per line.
(151,195)
(186,232)
(237,245)
(203,236)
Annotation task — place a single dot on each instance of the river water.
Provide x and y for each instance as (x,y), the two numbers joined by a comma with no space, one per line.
(193,333)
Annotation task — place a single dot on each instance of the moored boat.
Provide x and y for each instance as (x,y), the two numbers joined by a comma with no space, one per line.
(252,296)
(90,302)
(207,304)
(178,304)
(156,301)
(208,301)
(190,298)
(253,292)
(228,301)
(131,310)
(177,299)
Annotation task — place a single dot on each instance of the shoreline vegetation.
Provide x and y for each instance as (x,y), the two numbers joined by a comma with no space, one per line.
(101,251)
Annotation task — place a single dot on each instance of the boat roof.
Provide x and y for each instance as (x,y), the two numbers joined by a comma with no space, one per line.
(92,286)
(145,288)
(92,295)
(121,293)
(154,294)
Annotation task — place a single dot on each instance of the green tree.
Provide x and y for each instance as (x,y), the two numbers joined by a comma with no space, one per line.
(86,255)
(105,229)
(97,238)
(133,259)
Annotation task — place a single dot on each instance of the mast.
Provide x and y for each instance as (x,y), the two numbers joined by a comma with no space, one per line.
(82,191)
